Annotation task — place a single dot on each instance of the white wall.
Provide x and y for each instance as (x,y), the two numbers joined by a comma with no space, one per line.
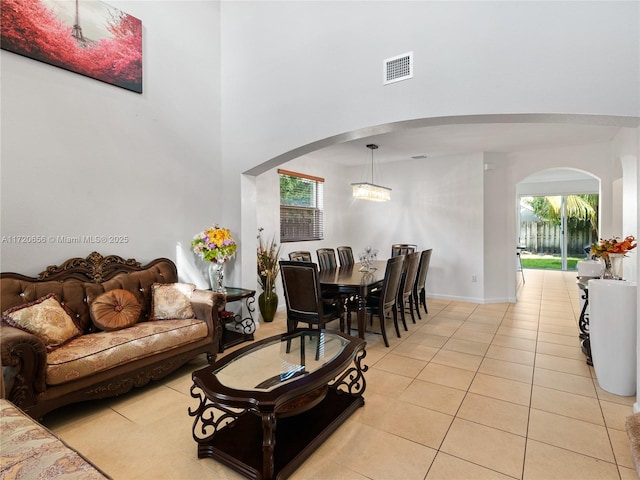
(295,73)
(558,187)
(499,223)
(437,203)
(625,149)
(81,157)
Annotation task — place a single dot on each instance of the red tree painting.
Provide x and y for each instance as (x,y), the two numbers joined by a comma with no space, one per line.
(45,31)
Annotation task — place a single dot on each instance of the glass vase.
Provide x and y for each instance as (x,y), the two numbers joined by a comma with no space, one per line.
(216,276)
(612,266)
(268,304)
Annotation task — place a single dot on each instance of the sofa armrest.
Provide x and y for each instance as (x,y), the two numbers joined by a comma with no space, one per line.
(24,356)
(207,306)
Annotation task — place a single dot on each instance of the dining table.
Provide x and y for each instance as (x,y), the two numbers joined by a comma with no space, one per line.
(354,280)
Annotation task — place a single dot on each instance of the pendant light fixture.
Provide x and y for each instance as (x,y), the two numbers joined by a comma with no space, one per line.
(371,191)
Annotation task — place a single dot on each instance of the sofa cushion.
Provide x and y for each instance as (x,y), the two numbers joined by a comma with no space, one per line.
(115,309)
(46,318)
(171,301)
(15,292)
(89,354)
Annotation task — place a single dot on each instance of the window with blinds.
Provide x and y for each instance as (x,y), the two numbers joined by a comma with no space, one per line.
(301,213)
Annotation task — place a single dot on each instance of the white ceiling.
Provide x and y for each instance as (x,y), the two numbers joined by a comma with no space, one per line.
(443,140)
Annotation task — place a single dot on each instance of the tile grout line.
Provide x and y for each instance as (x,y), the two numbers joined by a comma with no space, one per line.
(533,374)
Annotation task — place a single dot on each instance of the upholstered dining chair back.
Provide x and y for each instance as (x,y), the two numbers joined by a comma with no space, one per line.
(385,303)
(302,295)
(391,282)
(300,256)
(419,293)
(410,270)
(326,258)
(402,249)
(345,255)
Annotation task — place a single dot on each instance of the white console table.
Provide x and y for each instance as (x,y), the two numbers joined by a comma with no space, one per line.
(612,331)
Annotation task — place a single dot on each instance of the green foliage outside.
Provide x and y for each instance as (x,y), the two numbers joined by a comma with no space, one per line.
(581,214)
(550,263)
(296,192)
(581,209)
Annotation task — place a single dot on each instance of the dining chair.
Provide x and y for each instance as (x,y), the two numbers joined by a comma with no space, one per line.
(326,258)
(402,249)
(408,280)
(345,255)
(419,294)
(383,302)
(300,256)
(303,298)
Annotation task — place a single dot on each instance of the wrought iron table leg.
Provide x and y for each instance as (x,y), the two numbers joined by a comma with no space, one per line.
(583,325)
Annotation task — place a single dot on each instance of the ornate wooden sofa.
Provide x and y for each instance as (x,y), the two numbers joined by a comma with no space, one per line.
(97,363)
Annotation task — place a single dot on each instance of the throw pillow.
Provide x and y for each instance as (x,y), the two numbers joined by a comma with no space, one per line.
(45,318)
(171,301)
(115,309)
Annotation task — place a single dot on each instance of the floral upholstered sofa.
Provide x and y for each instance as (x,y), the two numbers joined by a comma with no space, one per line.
(96,327)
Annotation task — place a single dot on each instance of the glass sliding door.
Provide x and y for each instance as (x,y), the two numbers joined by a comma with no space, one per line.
(555,230)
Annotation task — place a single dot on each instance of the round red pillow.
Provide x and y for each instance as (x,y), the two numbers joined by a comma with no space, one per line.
(115,309)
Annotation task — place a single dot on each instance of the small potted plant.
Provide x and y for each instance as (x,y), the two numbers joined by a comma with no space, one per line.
(268,270)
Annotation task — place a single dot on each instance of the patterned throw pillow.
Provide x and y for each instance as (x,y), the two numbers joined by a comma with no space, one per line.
(171,301)
(45,318)
(115,309)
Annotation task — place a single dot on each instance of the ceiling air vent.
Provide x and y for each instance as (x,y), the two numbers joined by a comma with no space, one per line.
(398,68)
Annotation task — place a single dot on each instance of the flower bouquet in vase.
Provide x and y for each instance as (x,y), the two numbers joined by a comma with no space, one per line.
(611,252)
(215,245)
(268,269)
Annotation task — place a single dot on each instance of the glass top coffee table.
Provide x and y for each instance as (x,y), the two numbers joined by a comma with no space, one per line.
(268,406)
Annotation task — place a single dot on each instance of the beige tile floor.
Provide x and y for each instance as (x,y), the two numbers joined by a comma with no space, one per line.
(469,392)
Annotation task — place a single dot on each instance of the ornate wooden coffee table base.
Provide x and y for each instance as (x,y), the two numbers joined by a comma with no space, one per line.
(275,431)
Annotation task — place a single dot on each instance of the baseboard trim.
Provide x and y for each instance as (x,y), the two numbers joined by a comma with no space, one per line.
(478,300)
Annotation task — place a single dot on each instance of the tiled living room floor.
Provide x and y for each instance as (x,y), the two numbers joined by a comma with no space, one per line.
(470,392)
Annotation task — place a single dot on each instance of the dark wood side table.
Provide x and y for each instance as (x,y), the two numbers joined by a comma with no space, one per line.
(236,328)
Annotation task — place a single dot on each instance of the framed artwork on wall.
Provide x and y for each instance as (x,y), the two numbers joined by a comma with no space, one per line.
(87,37)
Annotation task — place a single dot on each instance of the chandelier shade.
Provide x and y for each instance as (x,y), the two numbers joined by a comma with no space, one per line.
(369,190)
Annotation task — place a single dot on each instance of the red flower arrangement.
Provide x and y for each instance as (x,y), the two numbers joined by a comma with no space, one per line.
(613,245)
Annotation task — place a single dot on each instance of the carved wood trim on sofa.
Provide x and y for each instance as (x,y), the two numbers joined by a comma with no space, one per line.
(24,354)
